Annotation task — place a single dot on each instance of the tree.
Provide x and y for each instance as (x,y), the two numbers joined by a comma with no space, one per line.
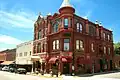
(117,48)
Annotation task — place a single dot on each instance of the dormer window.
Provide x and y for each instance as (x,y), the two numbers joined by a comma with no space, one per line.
(66,23)
(79,27)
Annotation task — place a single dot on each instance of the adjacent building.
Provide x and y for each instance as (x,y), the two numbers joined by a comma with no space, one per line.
(7,56)
(23,55)
(71,43)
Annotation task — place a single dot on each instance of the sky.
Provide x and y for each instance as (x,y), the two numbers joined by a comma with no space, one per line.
(17,17)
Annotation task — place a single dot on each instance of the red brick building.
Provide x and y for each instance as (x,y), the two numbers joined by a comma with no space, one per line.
(7,55)
(72,43)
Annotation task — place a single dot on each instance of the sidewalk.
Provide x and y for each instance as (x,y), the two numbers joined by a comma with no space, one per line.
(45,75)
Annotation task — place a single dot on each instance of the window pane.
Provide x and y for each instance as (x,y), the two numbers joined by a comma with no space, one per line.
(109,51)
(57,44)
(80,28)
(66,46)
(66,40)
(53,44)
(65,23)
(104,50)
(81,44)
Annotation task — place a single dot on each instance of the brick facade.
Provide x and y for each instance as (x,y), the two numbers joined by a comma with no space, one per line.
(86,59)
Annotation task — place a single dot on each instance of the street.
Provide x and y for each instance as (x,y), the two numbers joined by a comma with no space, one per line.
(13,76)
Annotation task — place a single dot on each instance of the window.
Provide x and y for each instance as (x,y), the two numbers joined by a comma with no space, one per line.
(39,35)
(55,44)
(92,47)
(20,54)
(104,50)
(79,45)
(66,23)
(92,30)
(108,51)
(39,48)
(30,53)
(55,27)
(104,35)
(108,37)
(79,27)
(25,53)
(66,44)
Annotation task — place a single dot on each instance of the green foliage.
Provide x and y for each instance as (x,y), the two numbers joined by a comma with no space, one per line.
(117,48)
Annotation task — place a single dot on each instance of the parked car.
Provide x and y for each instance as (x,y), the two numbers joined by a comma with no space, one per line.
(12,69)
(21,71)
(6,68)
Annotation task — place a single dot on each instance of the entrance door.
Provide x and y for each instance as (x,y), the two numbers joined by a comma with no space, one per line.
(66,68)
(110,64)
(101,65)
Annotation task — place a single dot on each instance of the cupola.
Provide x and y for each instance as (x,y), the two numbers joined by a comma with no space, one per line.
(66,7)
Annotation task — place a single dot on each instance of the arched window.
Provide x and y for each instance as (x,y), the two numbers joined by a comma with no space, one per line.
(56,44)
(79,45)
(55,27)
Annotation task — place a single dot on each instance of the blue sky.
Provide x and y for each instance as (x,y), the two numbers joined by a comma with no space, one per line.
(18,16)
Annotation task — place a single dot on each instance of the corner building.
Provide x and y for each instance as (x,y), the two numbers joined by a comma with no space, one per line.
(71,43)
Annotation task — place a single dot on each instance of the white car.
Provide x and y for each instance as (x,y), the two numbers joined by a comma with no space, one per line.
(5,68)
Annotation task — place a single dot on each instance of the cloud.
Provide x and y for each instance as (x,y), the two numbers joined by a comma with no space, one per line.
(9,40)
(17,19)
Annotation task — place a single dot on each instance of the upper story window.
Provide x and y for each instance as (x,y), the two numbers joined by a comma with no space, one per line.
(79,45)
(55,27)
(79,27)
(39,48)
(20,54)
(92,47)
(92,30)
(66,44)
(56,44)
(109,51)
(25,53)
(39,35)
(108,36)
(104,50)
(66,23)
(104,36)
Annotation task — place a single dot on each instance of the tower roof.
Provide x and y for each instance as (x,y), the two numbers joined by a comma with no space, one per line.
(66,3)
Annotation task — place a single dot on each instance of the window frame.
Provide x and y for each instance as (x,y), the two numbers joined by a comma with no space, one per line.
(66,43)
(66,23)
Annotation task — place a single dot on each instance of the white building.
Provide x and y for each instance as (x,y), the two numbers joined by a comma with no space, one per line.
(24,53)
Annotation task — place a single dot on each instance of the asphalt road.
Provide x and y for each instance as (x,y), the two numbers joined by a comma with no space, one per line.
(13,76)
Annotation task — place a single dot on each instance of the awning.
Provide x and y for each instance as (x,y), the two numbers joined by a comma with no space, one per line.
(36,58)
(64,60)
(53,60)
(7,62)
